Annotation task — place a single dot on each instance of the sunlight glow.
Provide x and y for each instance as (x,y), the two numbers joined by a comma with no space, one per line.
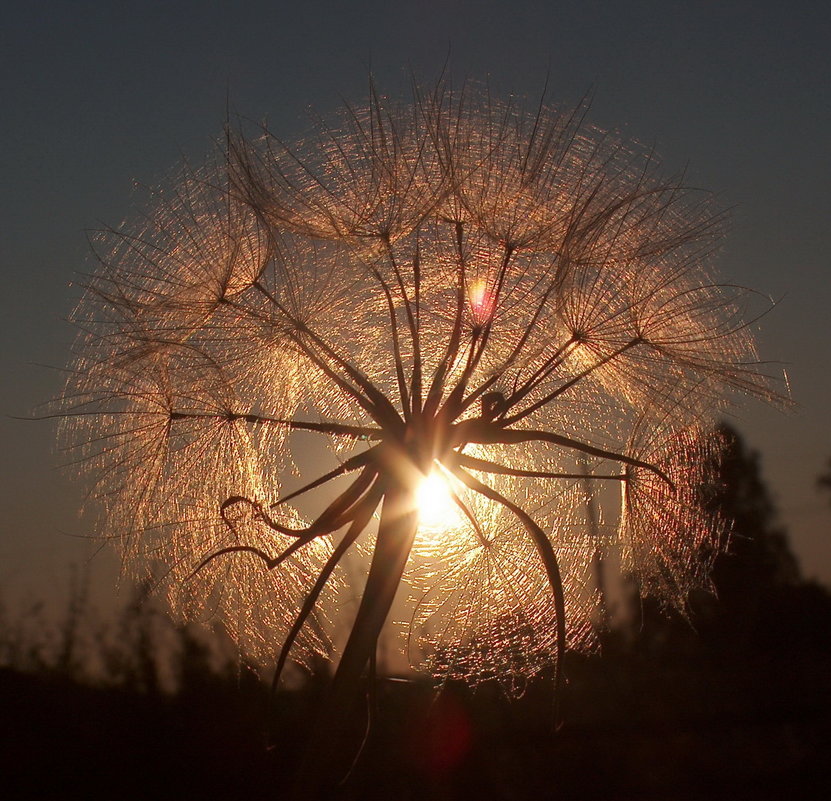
(437,511)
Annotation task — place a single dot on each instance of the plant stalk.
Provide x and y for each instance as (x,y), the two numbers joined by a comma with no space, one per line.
(329,751)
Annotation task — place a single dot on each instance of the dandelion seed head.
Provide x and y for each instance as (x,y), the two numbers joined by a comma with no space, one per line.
(513,295)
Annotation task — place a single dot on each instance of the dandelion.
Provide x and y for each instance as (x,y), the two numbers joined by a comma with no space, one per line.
(502,314)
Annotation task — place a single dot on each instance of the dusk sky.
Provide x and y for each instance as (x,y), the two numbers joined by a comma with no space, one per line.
(98,99)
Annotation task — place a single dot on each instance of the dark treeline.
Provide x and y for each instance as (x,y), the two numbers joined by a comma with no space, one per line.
(733,703)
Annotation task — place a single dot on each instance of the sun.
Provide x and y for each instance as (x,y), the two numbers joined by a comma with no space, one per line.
(437,511)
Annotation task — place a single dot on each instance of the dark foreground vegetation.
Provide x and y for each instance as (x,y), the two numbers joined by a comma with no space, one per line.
(735,704)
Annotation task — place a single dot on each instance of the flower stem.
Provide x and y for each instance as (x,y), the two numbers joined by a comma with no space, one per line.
(328,751)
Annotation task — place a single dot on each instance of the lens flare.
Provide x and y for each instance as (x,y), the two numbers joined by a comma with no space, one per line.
(481,301)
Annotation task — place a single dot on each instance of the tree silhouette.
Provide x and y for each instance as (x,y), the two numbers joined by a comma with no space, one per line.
(506,299)
(763,605)
(759,548)
(754,565)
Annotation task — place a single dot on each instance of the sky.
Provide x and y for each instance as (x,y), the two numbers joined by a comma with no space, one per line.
(99,99)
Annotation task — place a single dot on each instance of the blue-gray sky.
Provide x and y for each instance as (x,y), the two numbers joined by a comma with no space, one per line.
(98,96)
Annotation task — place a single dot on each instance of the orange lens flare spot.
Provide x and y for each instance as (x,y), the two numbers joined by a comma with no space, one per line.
(481,300)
